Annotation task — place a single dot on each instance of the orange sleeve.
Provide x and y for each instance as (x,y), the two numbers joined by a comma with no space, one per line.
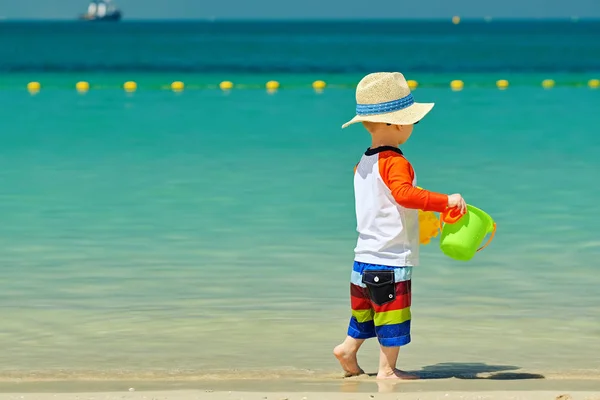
(398,175)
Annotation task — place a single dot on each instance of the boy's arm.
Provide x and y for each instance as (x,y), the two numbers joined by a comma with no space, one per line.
(398,175)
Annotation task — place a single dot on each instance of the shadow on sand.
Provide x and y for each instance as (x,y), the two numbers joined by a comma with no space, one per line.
(473,371)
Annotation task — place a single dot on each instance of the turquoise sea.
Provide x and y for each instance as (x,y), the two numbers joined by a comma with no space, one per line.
(209,234)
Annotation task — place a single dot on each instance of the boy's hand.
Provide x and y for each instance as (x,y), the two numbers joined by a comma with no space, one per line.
(456,200)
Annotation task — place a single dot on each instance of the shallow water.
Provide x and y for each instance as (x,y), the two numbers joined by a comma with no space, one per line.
(165,231)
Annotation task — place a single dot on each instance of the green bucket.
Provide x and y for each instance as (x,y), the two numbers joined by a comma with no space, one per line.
(461,240)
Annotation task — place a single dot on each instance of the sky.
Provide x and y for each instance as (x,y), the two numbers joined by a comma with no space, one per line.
(286,9)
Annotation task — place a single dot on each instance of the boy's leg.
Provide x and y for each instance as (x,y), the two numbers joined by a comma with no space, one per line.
(387,364)
(346,355)
(361,326)
(392,325)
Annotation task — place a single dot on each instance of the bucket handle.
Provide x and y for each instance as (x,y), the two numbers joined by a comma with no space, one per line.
(490,239)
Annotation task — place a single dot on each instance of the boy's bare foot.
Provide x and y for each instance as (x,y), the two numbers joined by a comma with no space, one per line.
(396,374)
(348,361)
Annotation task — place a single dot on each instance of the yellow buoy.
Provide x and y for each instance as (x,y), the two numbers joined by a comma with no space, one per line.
(594,83)
(412,84)
(177,86)
(34,87)
(272,85)
(82,87)
(319,85)
(457,85)
(502,84)
(456,20)
(548,83)
(226,85)
(130,86)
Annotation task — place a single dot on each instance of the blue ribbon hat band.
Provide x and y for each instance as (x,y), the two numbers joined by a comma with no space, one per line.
(387,107)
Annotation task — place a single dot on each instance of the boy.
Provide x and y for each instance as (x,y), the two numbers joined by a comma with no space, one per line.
(387,203)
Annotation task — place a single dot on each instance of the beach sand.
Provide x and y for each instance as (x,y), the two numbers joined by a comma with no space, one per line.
(208,395)
(526,387)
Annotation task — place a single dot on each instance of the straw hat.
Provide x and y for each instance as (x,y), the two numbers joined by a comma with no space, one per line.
(385,97)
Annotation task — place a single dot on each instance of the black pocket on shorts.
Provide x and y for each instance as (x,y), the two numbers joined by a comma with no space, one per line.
(380,285)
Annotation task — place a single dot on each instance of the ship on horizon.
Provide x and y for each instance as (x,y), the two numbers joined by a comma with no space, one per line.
(102,10)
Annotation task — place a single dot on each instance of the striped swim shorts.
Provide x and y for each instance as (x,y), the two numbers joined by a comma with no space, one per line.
(380,297)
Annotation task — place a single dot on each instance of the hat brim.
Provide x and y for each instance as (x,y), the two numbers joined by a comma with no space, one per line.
(407,116)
